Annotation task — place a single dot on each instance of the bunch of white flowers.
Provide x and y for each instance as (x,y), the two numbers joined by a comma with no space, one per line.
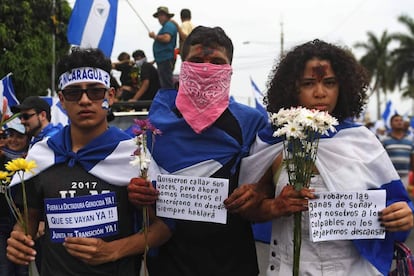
(298,122)
(301,128)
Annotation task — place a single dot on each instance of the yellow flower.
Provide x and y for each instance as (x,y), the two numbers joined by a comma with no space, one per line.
(4,176)
(20,164)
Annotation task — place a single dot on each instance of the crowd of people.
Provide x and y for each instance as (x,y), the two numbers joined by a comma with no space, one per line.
(205,134)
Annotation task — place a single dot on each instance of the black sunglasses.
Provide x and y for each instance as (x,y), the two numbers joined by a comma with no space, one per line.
(75,94)
(26,116)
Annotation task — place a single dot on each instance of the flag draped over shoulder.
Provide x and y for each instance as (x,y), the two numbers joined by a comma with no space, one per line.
(93,24)
(258,96)
(7,92)
(351,159)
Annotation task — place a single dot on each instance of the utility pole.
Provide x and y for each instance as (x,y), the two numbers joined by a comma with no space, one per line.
(281,38)
(52,86)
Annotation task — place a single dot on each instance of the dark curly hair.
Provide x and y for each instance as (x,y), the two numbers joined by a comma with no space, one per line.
(83,57)
(353,80)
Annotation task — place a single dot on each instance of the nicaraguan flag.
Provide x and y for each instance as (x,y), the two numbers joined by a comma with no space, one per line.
(110,152)
(59,115)
(7,92)
(352,159)
(388,113)
(258,96)
(93,24)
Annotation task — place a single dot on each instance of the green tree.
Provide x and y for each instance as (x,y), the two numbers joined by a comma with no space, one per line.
(377,60)
(403,57)
(26,29)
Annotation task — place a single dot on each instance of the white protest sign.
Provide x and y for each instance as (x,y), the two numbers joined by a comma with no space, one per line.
(346,215)
(192,198)
(82,216)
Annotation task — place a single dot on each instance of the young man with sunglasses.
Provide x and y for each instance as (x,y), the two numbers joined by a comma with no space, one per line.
(35,116)
(80,183)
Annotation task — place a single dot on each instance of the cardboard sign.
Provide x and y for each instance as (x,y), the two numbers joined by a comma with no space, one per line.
(192,198)
(346,215)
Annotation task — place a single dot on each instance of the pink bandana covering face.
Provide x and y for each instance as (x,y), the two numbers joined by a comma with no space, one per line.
(203,94)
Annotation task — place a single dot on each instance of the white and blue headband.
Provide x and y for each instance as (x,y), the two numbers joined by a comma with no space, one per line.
(84,74)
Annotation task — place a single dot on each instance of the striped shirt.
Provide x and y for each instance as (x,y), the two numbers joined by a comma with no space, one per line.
(399,151)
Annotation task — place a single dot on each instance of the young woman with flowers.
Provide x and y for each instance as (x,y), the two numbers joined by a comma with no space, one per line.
(318,75)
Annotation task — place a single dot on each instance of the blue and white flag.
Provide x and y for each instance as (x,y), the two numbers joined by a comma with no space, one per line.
(93,24)
(258,96)
(58,113)
(7,91)
(101,157)
(345,163)
(388,113)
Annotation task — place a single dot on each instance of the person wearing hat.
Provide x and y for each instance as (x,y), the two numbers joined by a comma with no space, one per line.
(35,116)
(15,145)
(163,47)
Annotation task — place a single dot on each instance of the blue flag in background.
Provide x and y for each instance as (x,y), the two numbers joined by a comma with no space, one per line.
(93,24)
(388,113)
(258,96)
(7,91)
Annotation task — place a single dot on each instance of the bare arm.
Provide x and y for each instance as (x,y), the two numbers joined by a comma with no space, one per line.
(141,91)
(163,38)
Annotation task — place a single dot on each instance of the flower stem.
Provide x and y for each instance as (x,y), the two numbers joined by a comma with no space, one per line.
(297,240)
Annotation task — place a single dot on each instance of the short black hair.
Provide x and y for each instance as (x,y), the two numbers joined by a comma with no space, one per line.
(83,57)
(209,37)
(185,14)
(138,53)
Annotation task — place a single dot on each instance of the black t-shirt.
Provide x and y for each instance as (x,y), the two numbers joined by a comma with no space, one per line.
(210,249)
(61,181)
(148,72)
(125,69)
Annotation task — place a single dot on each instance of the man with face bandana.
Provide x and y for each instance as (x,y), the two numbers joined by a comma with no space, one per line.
(204,134)
(148,76)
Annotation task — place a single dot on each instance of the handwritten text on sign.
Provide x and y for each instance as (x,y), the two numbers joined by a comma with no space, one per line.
(192,198)
(83,216)
(346,215)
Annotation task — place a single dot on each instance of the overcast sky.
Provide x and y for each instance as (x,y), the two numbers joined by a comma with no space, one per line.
(344,22)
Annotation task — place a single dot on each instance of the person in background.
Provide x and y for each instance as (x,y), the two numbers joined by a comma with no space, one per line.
(149,81)
(84,161)
(35,116)
(15,144)
(323,76)
(125,65)
(163,47)
(205,133)
(185,28)
(399,145)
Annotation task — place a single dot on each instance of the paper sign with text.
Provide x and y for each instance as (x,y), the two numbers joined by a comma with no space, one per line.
(346,215)
(192,198)
(82,216)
